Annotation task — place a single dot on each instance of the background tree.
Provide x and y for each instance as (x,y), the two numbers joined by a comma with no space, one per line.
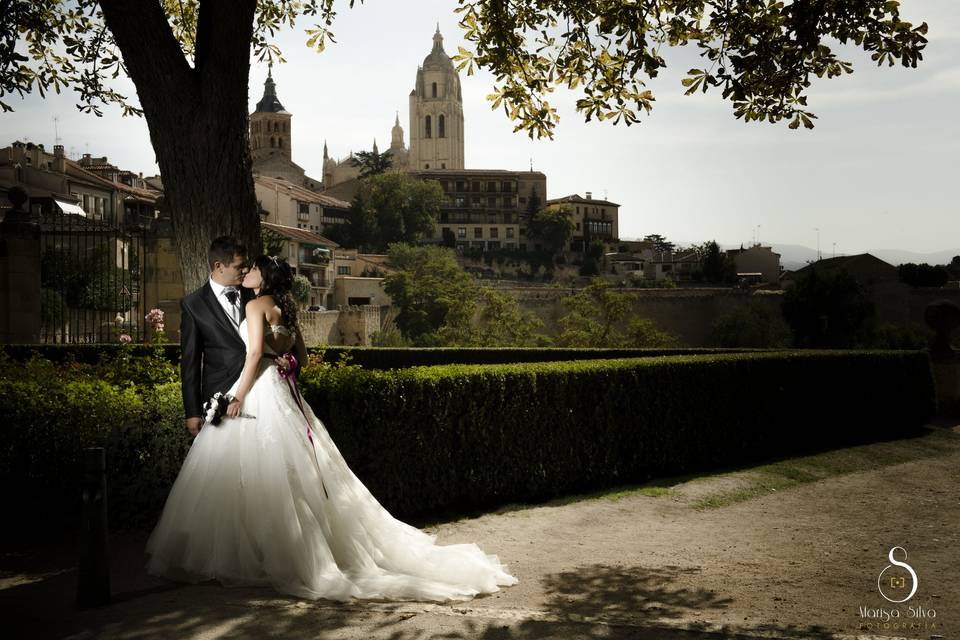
(372,163)
(716,266)
(439,304)
(592,258)
(551,228)
(594,316)
(954,268)
(828,310)
(301,289)
(430,290)
(189,61)
(389,207)
(923,275)
(752,325)
(659,242)
(644,333)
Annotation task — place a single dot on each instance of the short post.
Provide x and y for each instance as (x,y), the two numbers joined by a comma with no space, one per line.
(93,583)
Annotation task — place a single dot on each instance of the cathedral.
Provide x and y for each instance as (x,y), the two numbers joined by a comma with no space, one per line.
(435,125)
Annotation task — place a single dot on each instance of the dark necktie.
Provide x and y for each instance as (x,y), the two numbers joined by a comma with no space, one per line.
(232,295)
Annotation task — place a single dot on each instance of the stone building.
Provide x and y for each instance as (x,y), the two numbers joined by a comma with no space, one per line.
(285,203)
(271,140)
(436,113)
(591,218)
(485,208)
(757,262)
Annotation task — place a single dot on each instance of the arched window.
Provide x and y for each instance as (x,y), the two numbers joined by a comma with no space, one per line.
(434,89)
(273,142)
(276,127)
(428,132)
(441,127)
(280,143)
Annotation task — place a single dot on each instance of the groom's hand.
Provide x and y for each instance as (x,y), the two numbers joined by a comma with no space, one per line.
(193,425)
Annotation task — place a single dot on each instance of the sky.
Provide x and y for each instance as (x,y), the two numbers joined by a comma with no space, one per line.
(879,171)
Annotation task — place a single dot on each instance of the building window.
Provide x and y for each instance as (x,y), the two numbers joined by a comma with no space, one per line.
(273,142)
(428,166)
(343,270)
(478,232)
(578,226)
(280,143)
(461,232)
(427,127)
(434,92)
(461,185)
(475,186)
(507,187)
(475,202)
(443,165)
(494,232)
(492,202)
(441,127)
(509,232)
(460,201)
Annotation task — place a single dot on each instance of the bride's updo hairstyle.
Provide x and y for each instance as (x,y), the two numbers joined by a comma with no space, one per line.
(278,282)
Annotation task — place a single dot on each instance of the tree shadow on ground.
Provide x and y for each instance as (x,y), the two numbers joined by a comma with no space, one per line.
(611,603)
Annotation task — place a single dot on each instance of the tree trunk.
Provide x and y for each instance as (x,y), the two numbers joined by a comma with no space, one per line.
(198,121)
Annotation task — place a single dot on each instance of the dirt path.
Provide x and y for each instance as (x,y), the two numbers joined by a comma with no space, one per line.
(790,549)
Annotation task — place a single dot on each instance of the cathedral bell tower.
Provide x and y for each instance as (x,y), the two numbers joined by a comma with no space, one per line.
(436,113)
(270,124)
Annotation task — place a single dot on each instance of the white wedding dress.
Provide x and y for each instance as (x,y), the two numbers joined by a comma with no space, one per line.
(262,501)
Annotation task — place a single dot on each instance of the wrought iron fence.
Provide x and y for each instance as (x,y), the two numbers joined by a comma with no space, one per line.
(91,275)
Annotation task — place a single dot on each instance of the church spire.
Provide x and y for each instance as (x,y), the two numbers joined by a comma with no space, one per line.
(325,155)
(375,150)
(269,103)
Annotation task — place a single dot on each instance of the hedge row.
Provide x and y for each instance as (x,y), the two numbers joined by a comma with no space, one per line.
(367,357)
(465,437)
(399,357)
(460,437)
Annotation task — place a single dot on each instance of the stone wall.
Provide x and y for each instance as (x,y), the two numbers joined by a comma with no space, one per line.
(687,313)
(358,324)
(320,327)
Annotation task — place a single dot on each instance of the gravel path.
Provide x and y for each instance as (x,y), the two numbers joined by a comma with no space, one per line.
(794,551)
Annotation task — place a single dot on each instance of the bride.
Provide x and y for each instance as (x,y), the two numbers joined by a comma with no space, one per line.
(265,498)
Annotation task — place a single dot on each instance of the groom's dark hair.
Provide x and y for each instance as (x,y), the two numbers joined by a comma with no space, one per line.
(223,249)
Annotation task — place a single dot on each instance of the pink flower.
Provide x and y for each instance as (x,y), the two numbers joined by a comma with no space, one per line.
(125,339)
(155,316)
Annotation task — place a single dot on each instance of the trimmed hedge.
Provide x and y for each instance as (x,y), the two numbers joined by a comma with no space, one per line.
(402,357)
(367,357)
(462,437)
(465,437)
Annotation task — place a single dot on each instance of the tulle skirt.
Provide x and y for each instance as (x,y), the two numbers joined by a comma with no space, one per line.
(258,503)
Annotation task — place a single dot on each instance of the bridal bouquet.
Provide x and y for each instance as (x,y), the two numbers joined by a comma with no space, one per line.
(216,407)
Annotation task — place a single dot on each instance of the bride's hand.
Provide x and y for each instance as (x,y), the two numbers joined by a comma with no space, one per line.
(233,409)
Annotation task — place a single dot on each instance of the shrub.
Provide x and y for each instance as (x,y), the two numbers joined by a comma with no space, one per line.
(753,325)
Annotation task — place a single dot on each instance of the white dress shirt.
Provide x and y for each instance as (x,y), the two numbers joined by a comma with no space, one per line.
(232,311)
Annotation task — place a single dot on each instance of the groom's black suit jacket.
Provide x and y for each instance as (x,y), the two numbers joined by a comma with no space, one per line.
(211,350)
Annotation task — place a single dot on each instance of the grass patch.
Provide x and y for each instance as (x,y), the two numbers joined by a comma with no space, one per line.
(783,474)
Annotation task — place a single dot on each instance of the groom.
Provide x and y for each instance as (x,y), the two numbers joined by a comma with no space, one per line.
(212,351)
